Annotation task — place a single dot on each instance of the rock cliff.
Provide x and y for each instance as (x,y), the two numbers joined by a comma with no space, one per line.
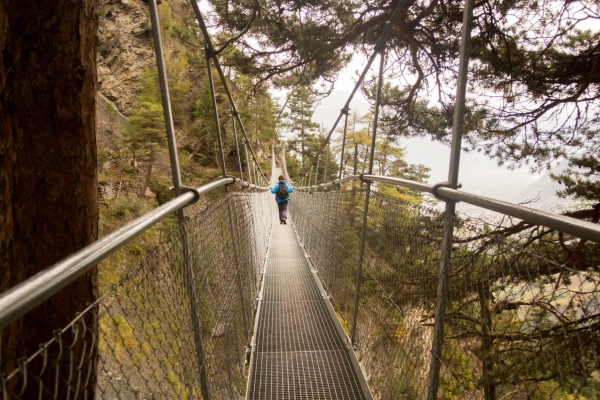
(124,50)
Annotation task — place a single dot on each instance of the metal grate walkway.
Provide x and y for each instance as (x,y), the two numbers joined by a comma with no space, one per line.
(298,351)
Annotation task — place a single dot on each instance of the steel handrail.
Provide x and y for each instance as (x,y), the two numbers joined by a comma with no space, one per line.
(583,229)
(20,299)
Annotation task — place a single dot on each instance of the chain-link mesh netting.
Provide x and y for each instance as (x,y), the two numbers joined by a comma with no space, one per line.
(142,329)
(523,314)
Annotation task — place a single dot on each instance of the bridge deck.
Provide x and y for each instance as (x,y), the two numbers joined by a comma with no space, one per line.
(298,351)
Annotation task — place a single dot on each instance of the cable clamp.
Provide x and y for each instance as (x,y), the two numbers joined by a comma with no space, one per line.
(362,178)
(186,189)
(232,177)
(445,184)
(345,110)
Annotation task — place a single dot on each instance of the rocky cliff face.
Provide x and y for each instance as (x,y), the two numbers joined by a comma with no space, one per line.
(124,50)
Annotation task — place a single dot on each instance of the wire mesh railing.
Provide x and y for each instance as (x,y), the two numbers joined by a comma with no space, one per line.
(137,340)
(523,313)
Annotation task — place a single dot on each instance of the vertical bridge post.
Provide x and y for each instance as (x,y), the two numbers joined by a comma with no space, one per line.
(449,215)
(363,236)
(238,269)
(190,279)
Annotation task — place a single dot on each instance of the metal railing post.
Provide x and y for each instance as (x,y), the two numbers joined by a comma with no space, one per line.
(237,146)
(247,163)
(224,170)
(444,270)
(172,144)
(326,164)
(363,235)
(239,272)
(317,168)
(345,111)
(216,113)
(209,46)
(379,45)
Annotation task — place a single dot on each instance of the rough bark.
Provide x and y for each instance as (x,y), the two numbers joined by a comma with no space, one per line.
(149,172)
(48,178)
(487,349)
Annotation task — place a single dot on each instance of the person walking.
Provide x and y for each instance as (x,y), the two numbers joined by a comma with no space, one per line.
(282,196)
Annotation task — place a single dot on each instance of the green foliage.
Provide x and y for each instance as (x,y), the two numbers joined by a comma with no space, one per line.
(298,120)
(257,110)
(145,134)
(533,94)
(161,187)
(461,381)
(179,87)
(102,156)
(165,18)
(581,180)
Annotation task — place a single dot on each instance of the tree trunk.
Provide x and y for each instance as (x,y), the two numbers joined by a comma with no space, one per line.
(355,166)
(149,172)
(487,351)
(48,177)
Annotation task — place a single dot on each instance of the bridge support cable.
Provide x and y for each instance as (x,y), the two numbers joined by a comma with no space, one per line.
(450,211)
(211,54)
(378,48)
(317,168)
(237,145)
(238,271)
(175,170)
(328,149)
(208,52)
(248,162)
(361,258)
(211,84)
(345,111)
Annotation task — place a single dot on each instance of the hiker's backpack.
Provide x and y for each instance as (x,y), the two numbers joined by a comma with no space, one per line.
(282,192)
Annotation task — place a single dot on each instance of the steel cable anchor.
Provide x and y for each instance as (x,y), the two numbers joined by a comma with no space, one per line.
(444,184)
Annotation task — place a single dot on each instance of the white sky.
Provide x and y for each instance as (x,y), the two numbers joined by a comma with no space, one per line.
(478,174)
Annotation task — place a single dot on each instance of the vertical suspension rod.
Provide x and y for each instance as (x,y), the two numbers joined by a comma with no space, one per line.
(211,51)
(444,269)
(345,111)
(165,99)
(363,235)
(175,171)
(326,163)
(247,162)
(237,146)
(238,273)
(379,46)
(216,113)
(317,169)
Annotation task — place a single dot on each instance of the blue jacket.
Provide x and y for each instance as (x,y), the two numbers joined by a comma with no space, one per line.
(275,188)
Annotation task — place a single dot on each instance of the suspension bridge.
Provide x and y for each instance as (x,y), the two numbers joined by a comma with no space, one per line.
(362,296)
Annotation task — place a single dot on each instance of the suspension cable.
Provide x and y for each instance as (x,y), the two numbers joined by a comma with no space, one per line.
(450,211)
(363,236)
(211,84)
(211,54)
(378,48)
(237,146)
(346,111)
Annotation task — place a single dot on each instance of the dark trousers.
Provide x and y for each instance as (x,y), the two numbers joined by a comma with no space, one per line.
(283,206)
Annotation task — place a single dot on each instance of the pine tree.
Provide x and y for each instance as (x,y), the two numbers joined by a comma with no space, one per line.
(145,136)
(299,118)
